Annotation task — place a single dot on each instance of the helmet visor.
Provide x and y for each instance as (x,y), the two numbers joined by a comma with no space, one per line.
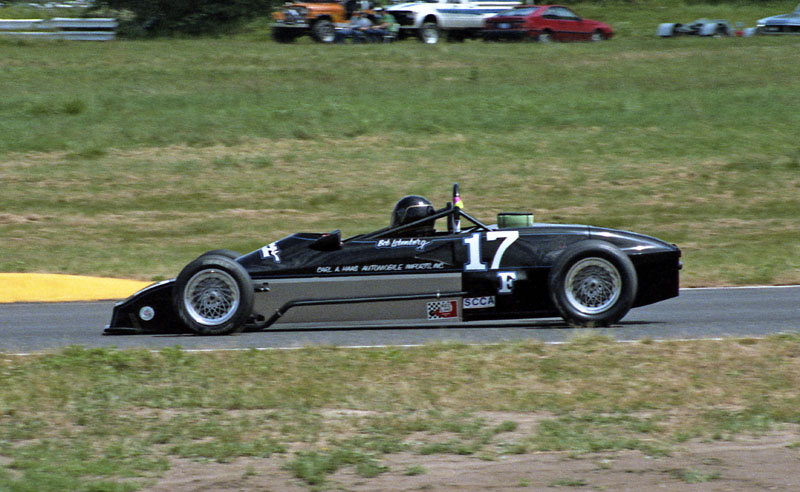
(414,213)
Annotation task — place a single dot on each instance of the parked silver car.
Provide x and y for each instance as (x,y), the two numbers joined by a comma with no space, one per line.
(780,24)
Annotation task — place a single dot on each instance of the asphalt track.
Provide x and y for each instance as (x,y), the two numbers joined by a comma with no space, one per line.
(696,313)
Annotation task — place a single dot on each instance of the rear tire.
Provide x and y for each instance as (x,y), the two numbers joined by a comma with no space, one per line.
(592,283)
(213,295)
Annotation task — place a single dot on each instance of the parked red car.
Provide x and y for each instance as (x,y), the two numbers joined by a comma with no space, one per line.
(544,23)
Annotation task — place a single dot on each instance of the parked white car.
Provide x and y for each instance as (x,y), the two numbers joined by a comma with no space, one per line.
(455,19)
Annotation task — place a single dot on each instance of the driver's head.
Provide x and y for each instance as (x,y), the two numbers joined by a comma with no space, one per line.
(411,209)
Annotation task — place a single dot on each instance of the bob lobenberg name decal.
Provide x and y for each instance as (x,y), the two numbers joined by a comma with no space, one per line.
(402,243)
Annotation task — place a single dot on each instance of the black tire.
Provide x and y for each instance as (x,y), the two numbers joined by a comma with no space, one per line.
(599,35)
(213,295)
(545,37)
(592,283)
(324,31)
(429,33)
(227,253)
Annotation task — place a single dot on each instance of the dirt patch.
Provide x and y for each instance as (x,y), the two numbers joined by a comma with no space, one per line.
(20,219)
(770,462)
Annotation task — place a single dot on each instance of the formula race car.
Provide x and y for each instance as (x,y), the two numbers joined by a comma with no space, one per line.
(411,274)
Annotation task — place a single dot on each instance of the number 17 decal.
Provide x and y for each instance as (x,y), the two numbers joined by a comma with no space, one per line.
(473,243)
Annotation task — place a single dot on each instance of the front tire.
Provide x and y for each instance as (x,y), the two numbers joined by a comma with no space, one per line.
(598,36)
(228,253)
(592,283)
(324,31)
(213,295)
(429,33)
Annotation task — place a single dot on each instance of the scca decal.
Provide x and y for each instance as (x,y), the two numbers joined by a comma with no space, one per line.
(478,302)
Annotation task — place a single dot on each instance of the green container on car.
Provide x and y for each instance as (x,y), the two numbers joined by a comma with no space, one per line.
(506,220)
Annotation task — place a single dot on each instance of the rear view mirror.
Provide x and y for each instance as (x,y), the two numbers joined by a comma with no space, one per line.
(328,242)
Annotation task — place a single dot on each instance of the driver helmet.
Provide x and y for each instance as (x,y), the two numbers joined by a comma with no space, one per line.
(411,209)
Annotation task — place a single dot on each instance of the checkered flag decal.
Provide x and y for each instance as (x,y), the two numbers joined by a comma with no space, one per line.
(442,310)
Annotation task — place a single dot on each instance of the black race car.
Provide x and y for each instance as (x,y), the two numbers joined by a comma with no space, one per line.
(411,274)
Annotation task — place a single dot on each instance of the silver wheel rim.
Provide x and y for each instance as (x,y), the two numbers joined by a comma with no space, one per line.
(211,297)
(593,285)
(544,38)
(430,35)
(326,33)
(597,37)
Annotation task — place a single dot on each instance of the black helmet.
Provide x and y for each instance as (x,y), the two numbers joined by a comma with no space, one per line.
(411,209)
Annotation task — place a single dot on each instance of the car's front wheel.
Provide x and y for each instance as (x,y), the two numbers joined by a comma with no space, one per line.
(593,283)
(545,37)
(228,253)
(213,295)
(429,33)
(324,31)
(598,36)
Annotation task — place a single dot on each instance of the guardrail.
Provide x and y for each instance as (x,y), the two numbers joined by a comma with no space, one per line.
(94,29)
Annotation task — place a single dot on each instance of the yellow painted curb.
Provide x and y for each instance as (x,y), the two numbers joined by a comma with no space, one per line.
(45,287)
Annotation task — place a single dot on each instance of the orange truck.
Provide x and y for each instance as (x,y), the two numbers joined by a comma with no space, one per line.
(315,18)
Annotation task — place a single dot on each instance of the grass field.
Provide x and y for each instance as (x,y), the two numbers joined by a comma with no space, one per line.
(92,420)
(130,158)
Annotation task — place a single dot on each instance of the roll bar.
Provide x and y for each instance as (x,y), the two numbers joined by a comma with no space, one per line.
(448,211)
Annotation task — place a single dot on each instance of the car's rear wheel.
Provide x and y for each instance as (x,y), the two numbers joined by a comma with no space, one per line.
(593,283)
(213,295)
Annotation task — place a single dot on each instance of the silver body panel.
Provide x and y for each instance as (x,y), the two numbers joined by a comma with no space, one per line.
(283,291)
